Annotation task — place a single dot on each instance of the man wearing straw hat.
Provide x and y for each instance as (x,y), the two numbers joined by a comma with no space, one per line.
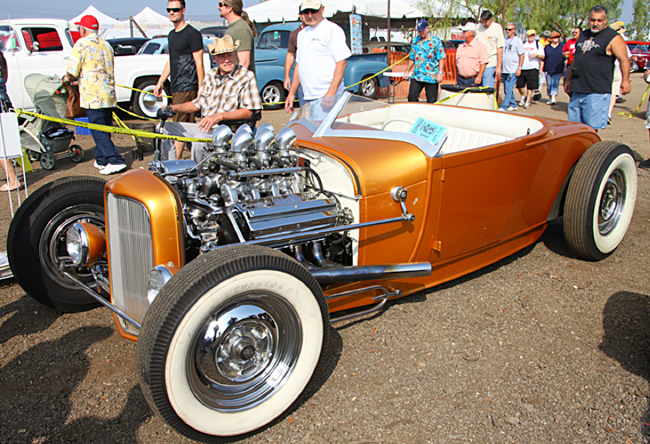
(228,96)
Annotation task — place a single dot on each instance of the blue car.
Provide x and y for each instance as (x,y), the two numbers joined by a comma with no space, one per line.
(271,52)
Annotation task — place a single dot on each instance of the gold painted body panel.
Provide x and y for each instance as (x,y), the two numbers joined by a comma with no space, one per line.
(472,208)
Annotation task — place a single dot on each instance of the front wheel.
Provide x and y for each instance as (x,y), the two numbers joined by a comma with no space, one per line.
(369,88)
(36,241)
(48,161)
(231,341)
(146,104)
(272,95)
(600,200)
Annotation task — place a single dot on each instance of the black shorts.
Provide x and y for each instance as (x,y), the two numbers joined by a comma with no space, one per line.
(529,78)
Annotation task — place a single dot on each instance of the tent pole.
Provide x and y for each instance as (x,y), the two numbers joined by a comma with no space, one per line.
(388,15)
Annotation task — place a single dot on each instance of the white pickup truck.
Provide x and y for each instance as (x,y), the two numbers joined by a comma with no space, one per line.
(43,46)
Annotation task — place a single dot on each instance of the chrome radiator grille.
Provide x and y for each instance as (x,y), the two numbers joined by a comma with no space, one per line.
(130,256)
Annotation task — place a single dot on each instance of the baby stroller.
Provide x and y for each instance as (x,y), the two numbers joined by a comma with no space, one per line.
(43,140)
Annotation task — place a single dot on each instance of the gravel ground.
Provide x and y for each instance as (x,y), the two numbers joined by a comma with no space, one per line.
(540,347)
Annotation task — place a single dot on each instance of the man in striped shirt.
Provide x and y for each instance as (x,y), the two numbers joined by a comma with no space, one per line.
(227,96)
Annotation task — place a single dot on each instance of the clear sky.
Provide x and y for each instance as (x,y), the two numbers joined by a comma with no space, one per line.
(205,10)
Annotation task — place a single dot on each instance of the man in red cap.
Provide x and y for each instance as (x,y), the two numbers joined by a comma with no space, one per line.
(91,61)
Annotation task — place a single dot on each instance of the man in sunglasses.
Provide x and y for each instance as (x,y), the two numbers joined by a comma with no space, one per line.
(513,59)
(320,59)
(185,65)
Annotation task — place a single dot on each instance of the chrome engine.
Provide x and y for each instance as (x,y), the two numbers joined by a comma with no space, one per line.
(257,190)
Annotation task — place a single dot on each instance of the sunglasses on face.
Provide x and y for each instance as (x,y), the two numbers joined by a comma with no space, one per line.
(222,4)
(510,29)
(170,10)
(310,11)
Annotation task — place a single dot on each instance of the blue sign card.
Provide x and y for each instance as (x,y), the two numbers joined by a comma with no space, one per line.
(431,131)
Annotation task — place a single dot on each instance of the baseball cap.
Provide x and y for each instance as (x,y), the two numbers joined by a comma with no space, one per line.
(422,25)
(88,22)
(546,34)
(469,26)
(531,32)
(555,34)
(310,4)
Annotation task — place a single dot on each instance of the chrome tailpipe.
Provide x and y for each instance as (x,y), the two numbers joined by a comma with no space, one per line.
(371,272)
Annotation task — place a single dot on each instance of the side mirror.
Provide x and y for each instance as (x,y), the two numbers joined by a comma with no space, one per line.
(35,47)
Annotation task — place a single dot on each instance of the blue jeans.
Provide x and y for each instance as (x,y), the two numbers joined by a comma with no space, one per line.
(488,77)
(590,109)
(105,151)
(553,84)
(464,82)
(509,81)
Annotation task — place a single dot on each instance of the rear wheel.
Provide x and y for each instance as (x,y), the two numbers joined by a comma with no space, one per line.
(231,341)
(273,93)
(369,88)
(36,241)
(146,104)
(76,153)
(600,200)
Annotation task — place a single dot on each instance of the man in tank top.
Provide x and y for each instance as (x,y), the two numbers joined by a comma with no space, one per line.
(592,71)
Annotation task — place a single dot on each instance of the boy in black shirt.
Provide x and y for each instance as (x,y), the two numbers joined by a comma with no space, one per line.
(185,64)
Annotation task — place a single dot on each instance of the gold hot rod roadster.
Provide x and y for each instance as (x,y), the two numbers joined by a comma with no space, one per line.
(229,272)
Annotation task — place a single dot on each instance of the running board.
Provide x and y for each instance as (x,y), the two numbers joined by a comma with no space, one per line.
(382,298)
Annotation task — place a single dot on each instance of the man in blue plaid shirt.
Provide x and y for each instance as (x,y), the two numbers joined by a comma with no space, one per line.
(426,52)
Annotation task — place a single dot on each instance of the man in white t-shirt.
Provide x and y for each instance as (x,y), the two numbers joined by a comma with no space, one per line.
(320,59)
(529,77)
(490,34)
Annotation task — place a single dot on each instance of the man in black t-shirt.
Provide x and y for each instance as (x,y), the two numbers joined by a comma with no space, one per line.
(592,71)
(185,64)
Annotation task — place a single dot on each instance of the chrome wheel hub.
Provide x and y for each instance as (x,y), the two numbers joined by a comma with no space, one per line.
(611,203)
(52,248)
(244,352)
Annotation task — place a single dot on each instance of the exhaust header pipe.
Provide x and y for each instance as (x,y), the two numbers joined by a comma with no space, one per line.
(371,272)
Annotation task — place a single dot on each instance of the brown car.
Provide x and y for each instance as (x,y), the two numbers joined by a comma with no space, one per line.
(228,273)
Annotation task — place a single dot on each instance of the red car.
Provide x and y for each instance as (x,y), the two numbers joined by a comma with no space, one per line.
(640,55)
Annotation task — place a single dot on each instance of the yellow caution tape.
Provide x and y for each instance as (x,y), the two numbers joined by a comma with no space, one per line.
(140,91)
(136,115)
(380,72)
(112,129)
(355,84)
(628,115)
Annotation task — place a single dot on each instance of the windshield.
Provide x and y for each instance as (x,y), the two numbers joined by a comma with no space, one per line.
(149,48)
(341,107)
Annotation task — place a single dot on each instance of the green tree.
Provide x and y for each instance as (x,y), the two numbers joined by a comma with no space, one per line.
(552,15)
(638,29)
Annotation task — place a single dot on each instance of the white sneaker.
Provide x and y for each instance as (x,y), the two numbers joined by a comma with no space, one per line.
(513,108)
(98,166)
(527,105)
(113,168)
(522,102)
(502,109)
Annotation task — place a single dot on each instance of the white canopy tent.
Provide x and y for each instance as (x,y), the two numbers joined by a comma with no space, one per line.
(105,22)
(287,10)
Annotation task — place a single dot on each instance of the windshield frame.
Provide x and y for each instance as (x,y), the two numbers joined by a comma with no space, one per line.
(328,129)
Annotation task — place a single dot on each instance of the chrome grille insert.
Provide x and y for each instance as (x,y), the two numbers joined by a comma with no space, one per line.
(130,256)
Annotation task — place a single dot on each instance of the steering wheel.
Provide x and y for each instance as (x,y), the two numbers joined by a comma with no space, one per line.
(397,119)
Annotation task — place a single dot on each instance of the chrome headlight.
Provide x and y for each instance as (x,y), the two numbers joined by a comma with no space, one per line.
(158,277)
(76,243)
